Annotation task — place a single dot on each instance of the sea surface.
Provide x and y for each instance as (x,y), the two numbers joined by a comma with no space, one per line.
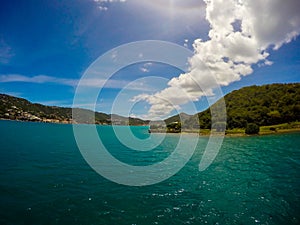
(45,180)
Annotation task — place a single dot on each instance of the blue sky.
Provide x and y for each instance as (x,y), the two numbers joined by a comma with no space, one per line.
(45,47)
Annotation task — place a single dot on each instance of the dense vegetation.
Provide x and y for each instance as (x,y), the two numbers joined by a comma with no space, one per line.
(20,109)
(180,117)
(252,128)
(174,127)
(261,105)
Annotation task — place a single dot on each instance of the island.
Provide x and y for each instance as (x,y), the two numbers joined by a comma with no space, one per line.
(272,108)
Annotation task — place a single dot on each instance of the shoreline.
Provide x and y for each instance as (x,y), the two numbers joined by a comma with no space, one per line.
(189,132)
(70,123)
(262,133)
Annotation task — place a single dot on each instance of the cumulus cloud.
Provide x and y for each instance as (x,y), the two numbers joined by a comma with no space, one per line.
(241,35)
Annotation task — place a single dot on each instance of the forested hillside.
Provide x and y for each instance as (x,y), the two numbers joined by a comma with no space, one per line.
(14,108)
(263,105)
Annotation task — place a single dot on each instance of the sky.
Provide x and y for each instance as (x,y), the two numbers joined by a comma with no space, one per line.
(47,46)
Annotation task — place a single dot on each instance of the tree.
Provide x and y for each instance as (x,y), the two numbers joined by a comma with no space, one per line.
(252,128)
(174,127)
(262,105)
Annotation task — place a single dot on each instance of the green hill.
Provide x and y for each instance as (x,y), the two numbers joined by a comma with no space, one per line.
(263,105)
(182,116)
(14,108)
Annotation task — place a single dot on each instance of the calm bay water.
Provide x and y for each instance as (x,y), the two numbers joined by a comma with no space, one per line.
(45,180)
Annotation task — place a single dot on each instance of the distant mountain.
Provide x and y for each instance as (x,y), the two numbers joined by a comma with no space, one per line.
(263,105)
(121,120)
(183,117)
(21,109)
(187,122)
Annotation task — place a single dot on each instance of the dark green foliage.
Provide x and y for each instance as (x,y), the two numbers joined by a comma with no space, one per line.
(182,117)
(173,119)
(186,121)
(252,128)
(263,105)
(19,108)
(174,127)
(136,121)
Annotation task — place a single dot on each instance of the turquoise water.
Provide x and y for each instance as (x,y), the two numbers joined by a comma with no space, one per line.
(45,180)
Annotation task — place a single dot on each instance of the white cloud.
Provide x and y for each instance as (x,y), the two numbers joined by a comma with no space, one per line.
(6,52)
(55,103)
(102,8)
(242,32)
(186,41)
(146,67)
(91,83)
(103,5)
(36,79)
(145,70)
